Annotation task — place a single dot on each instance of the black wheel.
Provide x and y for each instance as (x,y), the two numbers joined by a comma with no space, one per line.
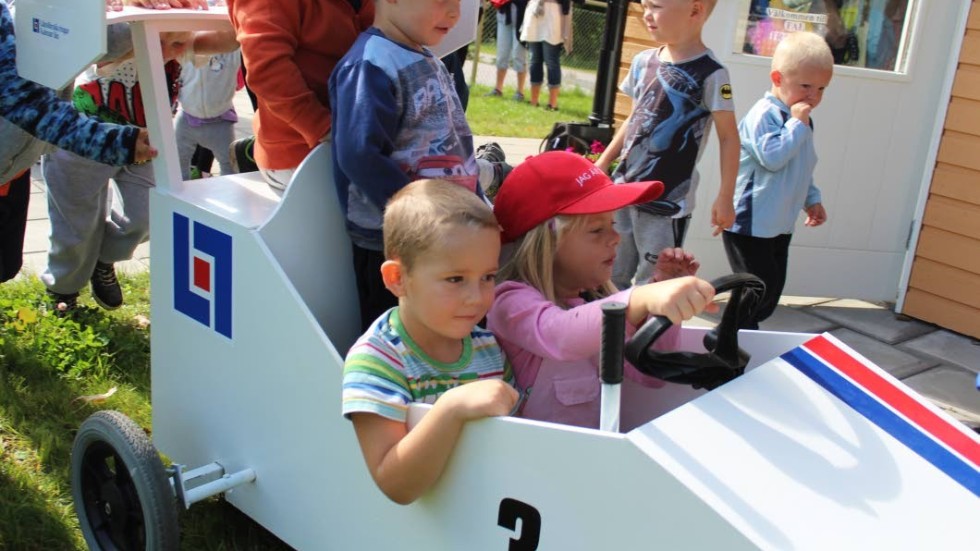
(122,495)
(722,362)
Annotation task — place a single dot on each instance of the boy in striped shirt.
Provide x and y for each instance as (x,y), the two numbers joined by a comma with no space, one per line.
(441,245)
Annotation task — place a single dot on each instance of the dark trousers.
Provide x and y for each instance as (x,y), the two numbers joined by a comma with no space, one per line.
(372,294)
(13,223)
(544,55)
(765,258)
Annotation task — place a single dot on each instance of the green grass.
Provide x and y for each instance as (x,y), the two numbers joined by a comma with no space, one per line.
(46,363)
(502,116)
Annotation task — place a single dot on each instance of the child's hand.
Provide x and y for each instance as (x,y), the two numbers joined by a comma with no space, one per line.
(476,400)
(815,215)
(144,152)
(801,110)
(673,263)
(676,299)
(722,215)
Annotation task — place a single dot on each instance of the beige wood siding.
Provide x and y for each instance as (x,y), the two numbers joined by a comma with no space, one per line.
(635,40)
(944,287)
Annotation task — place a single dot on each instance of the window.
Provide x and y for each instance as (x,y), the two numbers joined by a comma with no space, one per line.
(871,34)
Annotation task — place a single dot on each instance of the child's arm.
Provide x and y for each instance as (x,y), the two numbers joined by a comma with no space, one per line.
(723,210)
(522,316)
(676,299)
(161,4)
(770,141)
(405,464)
(38,111)
(212,42)
(615,146)
(365,125)
(267,37)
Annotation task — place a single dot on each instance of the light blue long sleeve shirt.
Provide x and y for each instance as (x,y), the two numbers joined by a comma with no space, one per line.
(775,170)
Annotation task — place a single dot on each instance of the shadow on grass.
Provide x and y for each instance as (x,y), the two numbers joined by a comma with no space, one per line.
(37,434)
(37,526)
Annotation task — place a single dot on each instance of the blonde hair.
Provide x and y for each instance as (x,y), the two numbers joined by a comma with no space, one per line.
(802,50)
(533,258)
(423,212)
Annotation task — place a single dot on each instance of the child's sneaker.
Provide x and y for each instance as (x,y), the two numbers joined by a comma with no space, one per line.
(63,304)
(493,94)
(519,97)
(105,286)
(491,151)
(242,159)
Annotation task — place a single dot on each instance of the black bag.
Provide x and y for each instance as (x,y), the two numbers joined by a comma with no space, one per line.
(576,135)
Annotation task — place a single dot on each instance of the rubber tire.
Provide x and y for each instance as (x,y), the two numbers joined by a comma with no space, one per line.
(111,434)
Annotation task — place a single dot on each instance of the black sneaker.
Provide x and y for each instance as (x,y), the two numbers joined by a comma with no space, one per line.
(105,287)
(63,304)
(491,151)
(242,159)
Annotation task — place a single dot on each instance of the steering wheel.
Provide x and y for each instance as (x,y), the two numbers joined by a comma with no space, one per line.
(722,362)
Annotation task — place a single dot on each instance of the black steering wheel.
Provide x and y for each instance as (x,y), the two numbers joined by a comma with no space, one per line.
(722,362)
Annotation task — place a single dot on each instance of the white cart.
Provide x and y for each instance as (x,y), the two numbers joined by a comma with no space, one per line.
(254,305)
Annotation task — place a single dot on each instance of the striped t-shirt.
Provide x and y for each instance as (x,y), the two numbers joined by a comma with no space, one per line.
(385,370)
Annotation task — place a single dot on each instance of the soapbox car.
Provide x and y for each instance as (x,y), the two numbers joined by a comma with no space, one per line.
(253,305)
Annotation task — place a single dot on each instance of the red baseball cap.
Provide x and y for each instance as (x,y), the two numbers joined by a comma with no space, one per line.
(560,182)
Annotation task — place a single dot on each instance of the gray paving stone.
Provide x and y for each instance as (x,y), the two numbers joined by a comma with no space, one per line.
(900,364)
(38,207)
(795,320)
(790,300)
(949,385)
(36,238)
(948,347)
(786,318)
(871,320)
(34,264)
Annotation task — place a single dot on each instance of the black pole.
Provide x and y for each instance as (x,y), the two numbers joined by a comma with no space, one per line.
(604,100)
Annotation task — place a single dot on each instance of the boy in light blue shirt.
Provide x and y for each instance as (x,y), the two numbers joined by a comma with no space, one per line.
(775,175)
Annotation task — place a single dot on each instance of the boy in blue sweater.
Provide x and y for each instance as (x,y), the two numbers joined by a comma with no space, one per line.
(396,119)
(775,174)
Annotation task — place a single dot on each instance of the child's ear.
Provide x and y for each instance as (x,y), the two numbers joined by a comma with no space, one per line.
(393,275)
(776,77)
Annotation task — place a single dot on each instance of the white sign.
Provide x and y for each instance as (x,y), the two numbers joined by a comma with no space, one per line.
(57,39)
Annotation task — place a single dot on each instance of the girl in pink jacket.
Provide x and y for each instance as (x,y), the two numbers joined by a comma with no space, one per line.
(556,212)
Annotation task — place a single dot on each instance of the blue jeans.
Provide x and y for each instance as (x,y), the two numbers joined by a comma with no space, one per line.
(509,49)
(543,53)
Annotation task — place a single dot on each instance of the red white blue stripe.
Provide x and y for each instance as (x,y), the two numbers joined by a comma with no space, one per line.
(942,442)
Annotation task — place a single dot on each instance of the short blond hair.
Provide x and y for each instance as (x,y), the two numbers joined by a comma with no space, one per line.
(533,257)
(802,49)
(418,217)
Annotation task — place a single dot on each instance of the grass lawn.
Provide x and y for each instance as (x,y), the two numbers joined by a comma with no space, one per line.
(46,364)
(502,116)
